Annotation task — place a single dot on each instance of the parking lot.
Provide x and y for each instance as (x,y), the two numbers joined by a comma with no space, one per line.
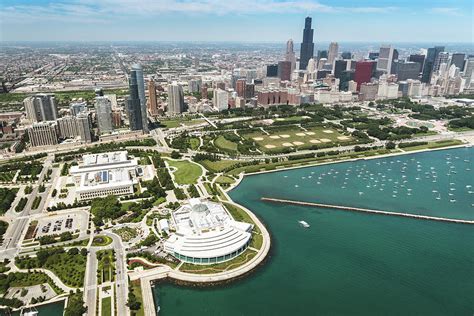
(57,224)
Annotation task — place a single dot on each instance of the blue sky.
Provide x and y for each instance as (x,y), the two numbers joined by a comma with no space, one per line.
(243,20)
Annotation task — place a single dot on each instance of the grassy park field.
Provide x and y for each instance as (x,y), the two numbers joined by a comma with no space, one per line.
(295,136)
(186,172)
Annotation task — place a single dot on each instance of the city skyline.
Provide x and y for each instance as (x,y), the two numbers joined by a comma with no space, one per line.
(205,20)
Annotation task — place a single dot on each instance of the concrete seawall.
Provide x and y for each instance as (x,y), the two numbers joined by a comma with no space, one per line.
(369,211)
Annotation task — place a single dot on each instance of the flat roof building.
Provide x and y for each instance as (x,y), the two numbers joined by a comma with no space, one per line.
(100,175)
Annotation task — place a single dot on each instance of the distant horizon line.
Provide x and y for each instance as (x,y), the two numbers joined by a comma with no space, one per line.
(224,41)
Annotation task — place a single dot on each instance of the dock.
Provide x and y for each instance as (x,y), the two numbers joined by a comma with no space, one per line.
(369,211)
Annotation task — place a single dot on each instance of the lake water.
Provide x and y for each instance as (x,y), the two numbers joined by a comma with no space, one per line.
(52,309)
(351,263)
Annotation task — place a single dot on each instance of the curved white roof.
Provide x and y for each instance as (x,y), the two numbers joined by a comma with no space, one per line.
(212,244)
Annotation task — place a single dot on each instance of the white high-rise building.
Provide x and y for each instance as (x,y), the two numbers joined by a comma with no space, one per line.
(175,98)
(290,54)
(221,99)
(469,71)
(113,100)
(41,107)
(387,55)
(333,52)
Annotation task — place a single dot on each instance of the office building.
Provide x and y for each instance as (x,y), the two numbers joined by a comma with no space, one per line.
(346,55)
(221,99)
(240,87)
(307,46)
(206,233)
(339,67)
(290,54)
(272,96)
(368,91)
(133,103)
(468,75)
(113,100)
(141,95)
(77,107)
(442,58)
(74,127)
(406,70)
(194,85)
(43,133)
(175,98)
(387,55)
(363,72)
(41,107)
(428,66)
(284,70)
(373,55)
(152,100)
(322,54)
(418,58)
(103,114)
(333,52)
(249,91)
(457,59)
(272,70)
(204,95)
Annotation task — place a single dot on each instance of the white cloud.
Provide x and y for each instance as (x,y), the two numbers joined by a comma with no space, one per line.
(103,10)
(446,10)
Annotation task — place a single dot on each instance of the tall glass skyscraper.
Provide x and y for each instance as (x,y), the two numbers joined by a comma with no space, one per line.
(307,46)
(134,104)
(141,95)
(429,62)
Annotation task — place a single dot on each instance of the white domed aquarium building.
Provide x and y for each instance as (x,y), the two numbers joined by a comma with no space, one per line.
(206,233)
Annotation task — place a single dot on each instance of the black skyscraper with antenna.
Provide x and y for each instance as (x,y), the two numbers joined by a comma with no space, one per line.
(307,46)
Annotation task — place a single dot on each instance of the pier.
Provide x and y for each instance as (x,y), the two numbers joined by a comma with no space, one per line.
(370,211)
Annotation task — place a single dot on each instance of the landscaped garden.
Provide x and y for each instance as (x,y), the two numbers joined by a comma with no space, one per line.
(68,266)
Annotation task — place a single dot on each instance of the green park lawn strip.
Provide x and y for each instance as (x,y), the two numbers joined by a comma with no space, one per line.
(308,161)
(187,172)
(106,306)
(257,240)
(225,180)
(434,145)
(218,166)
(224,144)
(106,267)
(241,259)
(137,290)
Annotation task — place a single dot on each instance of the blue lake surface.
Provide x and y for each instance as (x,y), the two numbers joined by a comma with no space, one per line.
(350,263)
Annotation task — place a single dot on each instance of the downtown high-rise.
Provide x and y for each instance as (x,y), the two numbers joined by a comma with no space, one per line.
(134,104)
(307,46)
(141,95)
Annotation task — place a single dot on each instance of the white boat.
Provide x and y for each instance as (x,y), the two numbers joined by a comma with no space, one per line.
(304,224)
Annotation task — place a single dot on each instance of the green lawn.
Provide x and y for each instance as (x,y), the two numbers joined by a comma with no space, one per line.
(225,180)
(218,166)
(137,290)
(434,145)
(106,266)
(240,215)
(194,142)
(187,172)
(106,306)
(224,144)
